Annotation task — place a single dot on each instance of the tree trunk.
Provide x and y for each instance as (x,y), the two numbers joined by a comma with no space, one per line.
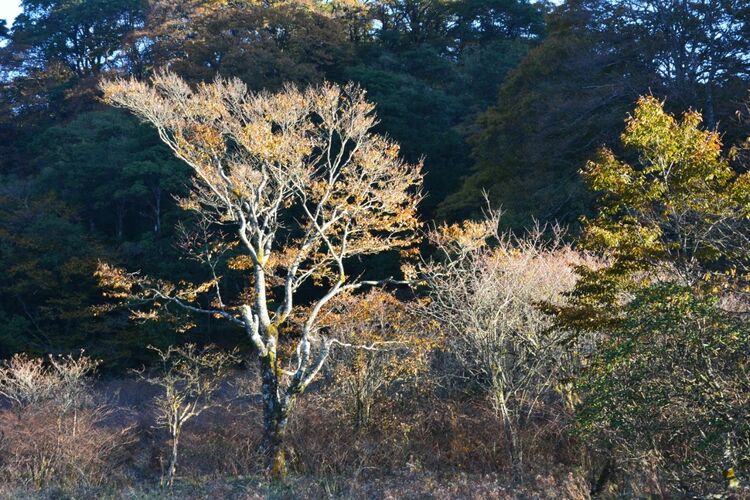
(359,413)
(275,418)
(173,460)
(157,210)
(709,116)
(362,412)
(604,477)
(120,221)
(276,453)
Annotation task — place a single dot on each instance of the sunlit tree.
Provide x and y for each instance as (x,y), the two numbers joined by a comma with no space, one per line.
(666,385)
(299,184)
(677,212)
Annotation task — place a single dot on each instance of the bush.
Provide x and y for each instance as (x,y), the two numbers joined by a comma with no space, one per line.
(486,293)
(53,433)
(387,346)
(669,390)
(63,379)
(40,447)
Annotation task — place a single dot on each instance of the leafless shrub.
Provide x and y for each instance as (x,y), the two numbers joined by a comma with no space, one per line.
(54,434)
(220,443)
(26,381)
(486,292)
(41,448)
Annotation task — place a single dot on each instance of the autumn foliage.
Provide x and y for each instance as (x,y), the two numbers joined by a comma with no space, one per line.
(374,249)
(300,184)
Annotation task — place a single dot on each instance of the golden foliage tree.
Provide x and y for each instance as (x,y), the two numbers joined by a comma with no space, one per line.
(299,183)
(677,211)
(666,385)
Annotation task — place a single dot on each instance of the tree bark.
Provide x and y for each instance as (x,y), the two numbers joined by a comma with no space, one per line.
(275,418)
(277,465)
(120,221)
(157,210)
(603,478)
(511,439)
(173,460)
(709,115)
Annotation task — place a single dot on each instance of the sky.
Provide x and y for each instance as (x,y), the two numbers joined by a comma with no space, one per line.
(9,9)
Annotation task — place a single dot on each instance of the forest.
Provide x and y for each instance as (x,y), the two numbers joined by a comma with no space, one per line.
(375,249)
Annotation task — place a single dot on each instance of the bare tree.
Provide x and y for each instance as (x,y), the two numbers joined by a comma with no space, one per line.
(300,184)
(189,379)
(486,289)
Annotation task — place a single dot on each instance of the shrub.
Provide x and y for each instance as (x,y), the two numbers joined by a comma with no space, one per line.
(486,291)
(387,345)
(26,381)
(40,447)
(53,434)
(669,389)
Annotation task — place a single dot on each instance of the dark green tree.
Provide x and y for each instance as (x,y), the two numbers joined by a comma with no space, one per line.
(264,44)
(567,97)
(47,288)
(424,119)
(85,35)
(697,49)
(112,170)
(47,259)
(431,67)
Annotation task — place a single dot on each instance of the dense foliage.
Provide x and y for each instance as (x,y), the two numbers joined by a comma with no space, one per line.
(665,388)
(668,388)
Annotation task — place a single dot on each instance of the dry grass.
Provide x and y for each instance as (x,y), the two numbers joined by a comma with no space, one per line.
(418,446)
(428,434)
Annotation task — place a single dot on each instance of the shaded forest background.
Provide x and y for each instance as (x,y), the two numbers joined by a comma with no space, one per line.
(507,96)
